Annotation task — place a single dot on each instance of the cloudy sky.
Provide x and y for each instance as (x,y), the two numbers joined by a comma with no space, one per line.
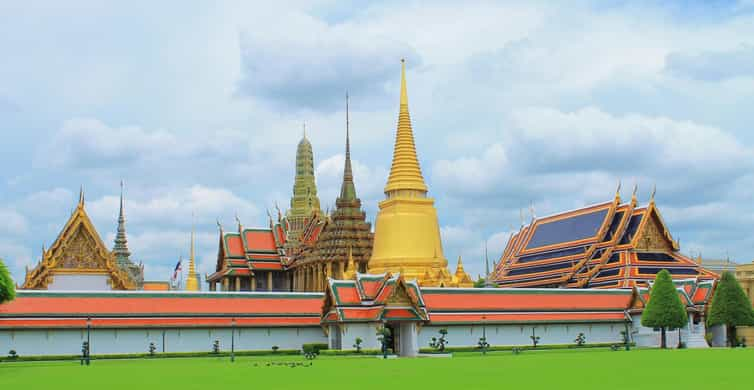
(199,108)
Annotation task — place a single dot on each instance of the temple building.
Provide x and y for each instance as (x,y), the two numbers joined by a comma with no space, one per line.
(252,259)
(345,241)
(608,245)
(407,233)
(79,260)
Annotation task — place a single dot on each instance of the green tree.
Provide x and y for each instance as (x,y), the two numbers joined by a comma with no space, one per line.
(480,283)
(7,287)
(730,307)
(665,309)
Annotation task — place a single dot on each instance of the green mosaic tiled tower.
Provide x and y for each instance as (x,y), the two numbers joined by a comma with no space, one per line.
(304,202)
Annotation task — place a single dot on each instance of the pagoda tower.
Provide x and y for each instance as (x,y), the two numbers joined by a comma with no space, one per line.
(304,203)
(120,246)
(192,280)
(347,235)
(407,233)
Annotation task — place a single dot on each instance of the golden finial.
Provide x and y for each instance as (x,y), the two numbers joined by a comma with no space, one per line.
(81,196)
(633,194)
(304,126)
(617,191)
(654,192)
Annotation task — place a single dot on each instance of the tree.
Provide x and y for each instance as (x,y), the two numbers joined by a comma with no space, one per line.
(7,287)
(665,309)
(730,307)
(480,283)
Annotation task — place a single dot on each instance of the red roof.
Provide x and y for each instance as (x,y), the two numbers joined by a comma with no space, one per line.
(162,308)
(521,299)
(260,240)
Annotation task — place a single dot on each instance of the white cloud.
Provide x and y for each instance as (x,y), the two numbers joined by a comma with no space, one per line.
(175,206)
(13,223)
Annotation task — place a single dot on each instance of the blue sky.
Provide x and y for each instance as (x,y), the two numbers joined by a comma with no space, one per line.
(199,107)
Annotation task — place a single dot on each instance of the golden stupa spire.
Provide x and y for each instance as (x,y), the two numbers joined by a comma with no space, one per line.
(405,173)
(192,282)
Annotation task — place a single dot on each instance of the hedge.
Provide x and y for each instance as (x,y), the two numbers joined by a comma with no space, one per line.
(520,347)
(349,352)
(314,347)
(155,356)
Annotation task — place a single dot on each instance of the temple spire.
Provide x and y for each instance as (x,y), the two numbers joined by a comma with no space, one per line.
(120,249)
(405,172)
(347,188)
(81,196)
(192,281)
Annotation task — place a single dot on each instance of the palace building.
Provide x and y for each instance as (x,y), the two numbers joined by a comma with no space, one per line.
(314,277)
(79,260)
(608,245)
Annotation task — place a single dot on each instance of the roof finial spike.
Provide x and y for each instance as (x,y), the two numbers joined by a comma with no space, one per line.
(219,225)
(654,192)
(238,221)
(532,211)
(304,129)
(81,196)
(404,92)
(617,190)
(521,215)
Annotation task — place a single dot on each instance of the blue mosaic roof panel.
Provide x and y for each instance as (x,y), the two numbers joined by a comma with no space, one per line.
(617,218)
(552,255)
(633,225)
(575,228)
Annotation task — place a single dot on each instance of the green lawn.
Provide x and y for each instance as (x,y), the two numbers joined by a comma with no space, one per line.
(565,369)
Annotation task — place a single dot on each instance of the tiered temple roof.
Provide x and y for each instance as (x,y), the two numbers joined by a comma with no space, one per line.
(373,298)
(608,245)
(242,252)
(695,294)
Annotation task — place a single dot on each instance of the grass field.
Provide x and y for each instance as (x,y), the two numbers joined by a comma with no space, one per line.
(599,369)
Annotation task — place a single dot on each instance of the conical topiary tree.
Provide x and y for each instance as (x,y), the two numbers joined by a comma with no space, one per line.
(7,287)
(730,307)
(665,309)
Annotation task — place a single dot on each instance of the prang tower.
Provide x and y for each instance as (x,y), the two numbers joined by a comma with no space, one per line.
(304,203)
(407,233)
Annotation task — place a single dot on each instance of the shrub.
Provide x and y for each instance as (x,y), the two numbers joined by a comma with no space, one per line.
(275,349)
(581,340)
(152,349)
(313,348)
(12,354)
(439,343)
(216,347)
(357,344)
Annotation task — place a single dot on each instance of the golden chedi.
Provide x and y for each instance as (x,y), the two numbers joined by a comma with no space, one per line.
(407,233)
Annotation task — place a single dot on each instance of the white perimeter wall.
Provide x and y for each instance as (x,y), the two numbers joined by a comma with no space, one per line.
(468,335)
(106,341)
